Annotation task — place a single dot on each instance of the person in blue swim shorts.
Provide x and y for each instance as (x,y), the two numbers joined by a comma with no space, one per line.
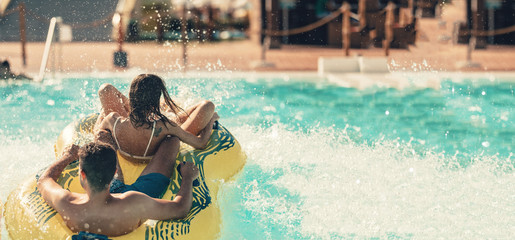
(99,210)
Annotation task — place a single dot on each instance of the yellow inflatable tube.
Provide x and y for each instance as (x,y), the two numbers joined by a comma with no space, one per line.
(27,216)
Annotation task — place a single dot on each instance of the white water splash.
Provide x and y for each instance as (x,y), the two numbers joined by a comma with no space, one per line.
(21,158)
(356,190)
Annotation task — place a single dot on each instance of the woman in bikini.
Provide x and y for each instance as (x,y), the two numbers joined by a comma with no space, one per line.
(138,125)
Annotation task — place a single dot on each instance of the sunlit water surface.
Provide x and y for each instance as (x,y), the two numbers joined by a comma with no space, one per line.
(324,162)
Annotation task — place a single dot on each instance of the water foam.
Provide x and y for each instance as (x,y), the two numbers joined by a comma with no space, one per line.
(323,186)
(21,158)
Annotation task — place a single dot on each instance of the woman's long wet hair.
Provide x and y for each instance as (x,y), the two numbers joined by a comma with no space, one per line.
(144,99)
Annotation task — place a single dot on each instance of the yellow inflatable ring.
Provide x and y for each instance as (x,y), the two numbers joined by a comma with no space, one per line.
(27,216)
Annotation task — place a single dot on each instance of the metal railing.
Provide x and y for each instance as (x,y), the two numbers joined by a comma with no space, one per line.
(48,44)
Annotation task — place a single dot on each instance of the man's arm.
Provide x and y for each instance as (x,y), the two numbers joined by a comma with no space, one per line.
(47,182)
(179,207)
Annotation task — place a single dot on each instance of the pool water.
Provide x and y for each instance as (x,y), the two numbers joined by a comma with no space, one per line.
(324,162)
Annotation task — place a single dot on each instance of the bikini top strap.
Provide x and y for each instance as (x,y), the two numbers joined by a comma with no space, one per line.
(114,133)
(150,140)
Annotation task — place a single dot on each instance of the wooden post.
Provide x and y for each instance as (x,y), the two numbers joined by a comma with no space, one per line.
(478,22)
(272,22)
(184,30)
(23,37)
(159,25)
(256,22)
(388,27)
(120,57)
(120,33)
(210,22)
(410,11)
(346,27)
(362,12)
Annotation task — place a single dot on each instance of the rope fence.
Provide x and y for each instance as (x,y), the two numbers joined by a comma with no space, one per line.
(337,13)
(46,20)
(38,17)
(308,27)
(276,33)
(93,23)
(333,15)
(494,32)
(11,11)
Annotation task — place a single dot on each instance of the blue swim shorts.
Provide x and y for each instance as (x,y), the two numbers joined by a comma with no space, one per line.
(152,184)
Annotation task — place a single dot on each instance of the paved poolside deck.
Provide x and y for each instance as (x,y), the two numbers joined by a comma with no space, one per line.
(239,56)
(429,54)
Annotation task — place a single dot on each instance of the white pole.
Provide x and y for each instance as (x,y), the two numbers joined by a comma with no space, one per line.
(48,44)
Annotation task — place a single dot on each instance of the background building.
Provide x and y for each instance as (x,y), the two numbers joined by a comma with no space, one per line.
(485,15)
(482,15)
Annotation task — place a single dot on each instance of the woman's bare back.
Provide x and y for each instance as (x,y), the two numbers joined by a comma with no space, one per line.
(192,127)
(135,140)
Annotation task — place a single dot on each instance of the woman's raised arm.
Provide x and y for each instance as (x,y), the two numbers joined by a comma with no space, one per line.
(198,142)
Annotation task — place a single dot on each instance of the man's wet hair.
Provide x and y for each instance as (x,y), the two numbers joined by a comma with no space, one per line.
(98,161)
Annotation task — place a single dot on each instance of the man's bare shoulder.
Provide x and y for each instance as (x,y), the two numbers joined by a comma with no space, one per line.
(68,202)
(141,205)
(130,196)
(117,215)
(133,198)
(145,207)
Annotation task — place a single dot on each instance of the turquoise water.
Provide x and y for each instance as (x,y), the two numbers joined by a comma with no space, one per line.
(325,162)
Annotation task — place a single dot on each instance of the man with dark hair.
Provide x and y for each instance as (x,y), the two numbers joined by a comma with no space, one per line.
(101,212)
(98,165)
